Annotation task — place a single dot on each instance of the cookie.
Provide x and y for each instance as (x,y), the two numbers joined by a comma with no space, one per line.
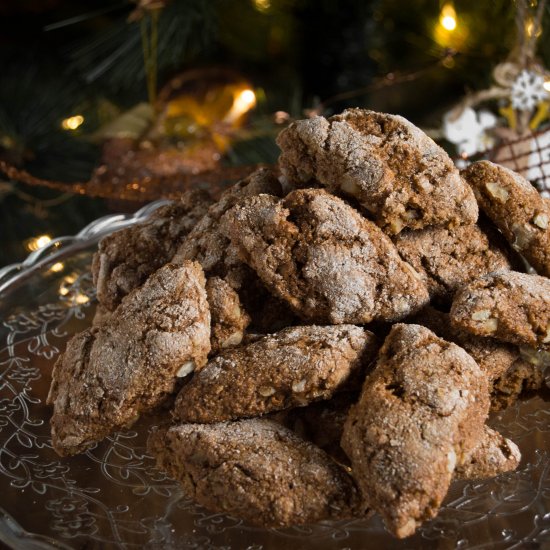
(493,455)
(228,317)
(288,369)
(392,168)
(127,257)
(494,358)
(516,208)
(520,379)
(112,373)
(509,306)
(421,413)
(449,258)
(206,244)
(256,470)
(324,259)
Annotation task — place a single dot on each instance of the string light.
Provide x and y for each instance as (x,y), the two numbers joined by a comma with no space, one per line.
(262,5)
(72,123)
(57,267)
(35,243)
(243,102)
(546,85)
(447,18)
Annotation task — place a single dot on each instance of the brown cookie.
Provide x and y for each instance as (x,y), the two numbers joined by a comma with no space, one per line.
(112,373)
(421,413)
(288,369)
(207,245)
(516,208)
(256,470)
(449,258)
(392,168)
(493,455)
(228,317)
(494,358)
(324,259)
(509,306)
(520,379)
(127,257)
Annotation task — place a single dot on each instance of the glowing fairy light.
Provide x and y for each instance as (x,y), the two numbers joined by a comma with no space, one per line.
(447,18)
(72,123)
(243,102)
(546,85)
(262,5)
(57,267)
(35,243)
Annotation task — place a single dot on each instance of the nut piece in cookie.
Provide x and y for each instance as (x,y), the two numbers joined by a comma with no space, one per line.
(127,257)
(394,170)
(256,470)
(421,412)
(324,259)
(112,373)
(450,258)
(287,369)
(228,317)
(516,208)
(493,455)
(509,306)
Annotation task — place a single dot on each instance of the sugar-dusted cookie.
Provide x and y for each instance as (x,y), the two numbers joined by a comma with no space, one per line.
(127,257)
(493,455)
(421,413)
(509,306)
(449,258)
(228,317)
(256,470)
(206,244)
(392,168)
(324,259)
(287,369)
(516,208)
(113,372)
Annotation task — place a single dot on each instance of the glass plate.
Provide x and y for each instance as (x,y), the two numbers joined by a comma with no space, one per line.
(113,497)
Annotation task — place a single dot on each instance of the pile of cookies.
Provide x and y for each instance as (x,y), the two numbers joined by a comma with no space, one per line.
(325,343)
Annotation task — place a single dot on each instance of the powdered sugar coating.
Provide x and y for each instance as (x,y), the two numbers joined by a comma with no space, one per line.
(113,372)
(290,368)
(509,306)
(516,208)
(256,470)
(493,455)
(395,171)
(324,259)
(450,258)
(127,257)
(421,412)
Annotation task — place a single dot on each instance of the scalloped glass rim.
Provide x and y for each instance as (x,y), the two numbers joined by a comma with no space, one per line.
(56,249)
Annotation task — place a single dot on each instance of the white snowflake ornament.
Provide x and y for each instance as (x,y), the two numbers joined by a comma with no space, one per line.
(468,130)
(528,91)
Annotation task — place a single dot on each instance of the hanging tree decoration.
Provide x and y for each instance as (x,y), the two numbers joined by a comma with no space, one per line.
(520,137)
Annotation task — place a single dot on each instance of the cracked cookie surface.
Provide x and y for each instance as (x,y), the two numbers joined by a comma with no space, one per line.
(127,257)
(516,208)
(324,259)
(450,258)
(113,372)
(394,170)
(287,369)
(421,412)
(256,470)
(509,306)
